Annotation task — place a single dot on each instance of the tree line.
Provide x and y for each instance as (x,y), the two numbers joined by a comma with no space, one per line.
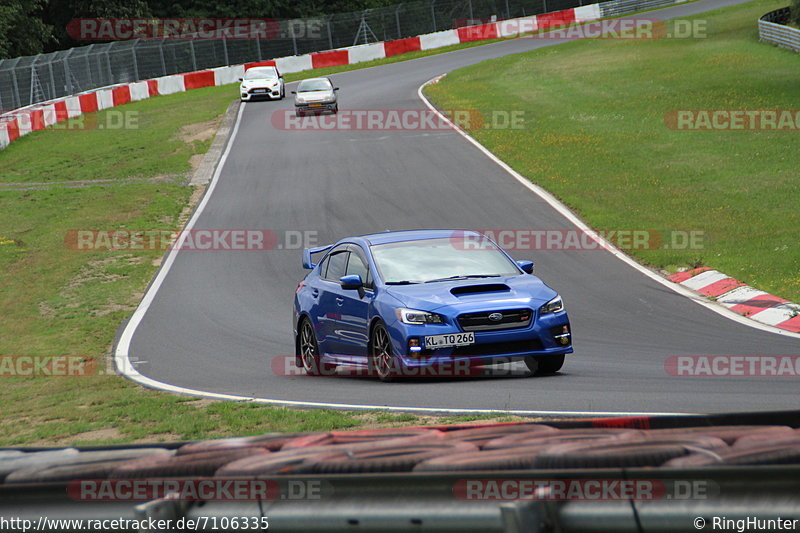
(30,27)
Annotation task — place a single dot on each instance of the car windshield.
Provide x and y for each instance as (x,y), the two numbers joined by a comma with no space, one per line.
(441,259)
(313,85)
(258,74)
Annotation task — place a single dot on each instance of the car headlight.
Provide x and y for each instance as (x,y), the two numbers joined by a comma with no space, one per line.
(413,316)
(553,306)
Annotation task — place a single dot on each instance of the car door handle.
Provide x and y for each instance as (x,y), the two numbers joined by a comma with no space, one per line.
(314,292)
(339,301)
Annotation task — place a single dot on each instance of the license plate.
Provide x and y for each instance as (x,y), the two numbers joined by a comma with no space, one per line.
(315,105)
(449,340)
(259,90)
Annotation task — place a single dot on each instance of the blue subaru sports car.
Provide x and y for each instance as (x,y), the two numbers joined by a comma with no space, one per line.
(400,301)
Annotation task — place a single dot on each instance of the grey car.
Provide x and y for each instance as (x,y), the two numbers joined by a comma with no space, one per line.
(315,95)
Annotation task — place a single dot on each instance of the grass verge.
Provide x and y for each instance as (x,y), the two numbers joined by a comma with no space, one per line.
(120,168)
(595,135)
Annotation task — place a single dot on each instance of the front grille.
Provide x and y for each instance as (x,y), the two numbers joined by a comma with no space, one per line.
(511,319)
(498,348)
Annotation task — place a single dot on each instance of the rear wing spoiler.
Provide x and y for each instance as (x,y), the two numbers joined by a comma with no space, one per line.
(308,264)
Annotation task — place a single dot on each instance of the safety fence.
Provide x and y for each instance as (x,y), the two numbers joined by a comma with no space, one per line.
(772,28)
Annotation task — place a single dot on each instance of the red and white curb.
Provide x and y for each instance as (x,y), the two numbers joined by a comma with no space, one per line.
(17,123)
(740,298)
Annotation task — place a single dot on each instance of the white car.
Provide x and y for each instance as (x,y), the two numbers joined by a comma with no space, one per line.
(261,82)
(315,95)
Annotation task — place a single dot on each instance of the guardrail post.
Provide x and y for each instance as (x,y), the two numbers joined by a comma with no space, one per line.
(108,68)
(15,84)
(89,65)
(433,14)
(163,61)
(330,34)
(397,20)
(225,50)
(194,59)
(67,73)
(34,78)
(135,61)
(294,37)
(52,93)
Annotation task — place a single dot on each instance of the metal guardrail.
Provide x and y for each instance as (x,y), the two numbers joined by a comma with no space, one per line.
(32,79)
(421,502)
(772,29)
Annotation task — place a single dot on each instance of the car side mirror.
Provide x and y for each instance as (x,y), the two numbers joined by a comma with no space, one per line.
(241,79)
(526,266)
(294,92)
(352,282)
(335,88)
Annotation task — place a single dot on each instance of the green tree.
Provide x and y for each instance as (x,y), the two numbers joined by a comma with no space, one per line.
(795,15)
(22,30)
(60,12)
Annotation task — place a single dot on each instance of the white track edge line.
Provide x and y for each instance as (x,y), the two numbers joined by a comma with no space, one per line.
(126,369)
(574,219)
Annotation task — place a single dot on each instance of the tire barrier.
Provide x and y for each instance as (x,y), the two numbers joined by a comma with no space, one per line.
(194,464)
(501,447)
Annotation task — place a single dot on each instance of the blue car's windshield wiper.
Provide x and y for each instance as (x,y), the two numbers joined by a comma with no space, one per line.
(403,282)
(470,276)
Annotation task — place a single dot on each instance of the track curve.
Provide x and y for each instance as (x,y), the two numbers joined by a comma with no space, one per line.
(212,321)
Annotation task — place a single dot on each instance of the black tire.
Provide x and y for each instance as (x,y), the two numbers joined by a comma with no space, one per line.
(192,464)
(283,92)
(392,458)
(549,364)
(381,359)
(609,455)
(299,113)
(309,351)
(335,109)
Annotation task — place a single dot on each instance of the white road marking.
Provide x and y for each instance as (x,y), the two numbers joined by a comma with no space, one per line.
(573,218)
(125,367)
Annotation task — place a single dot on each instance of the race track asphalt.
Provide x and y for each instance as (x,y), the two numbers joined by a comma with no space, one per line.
(219,318)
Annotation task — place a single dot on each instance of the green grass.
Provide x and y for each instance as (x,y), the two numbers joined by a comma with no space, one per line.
(60,301)
(595,135)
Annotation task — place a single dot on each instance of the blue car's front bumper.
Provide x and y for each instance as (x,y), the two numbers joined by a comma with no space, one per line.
(546,335)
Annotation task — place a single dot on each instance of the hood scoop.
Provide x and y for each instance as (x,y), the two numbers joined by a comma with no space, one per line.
(477,289)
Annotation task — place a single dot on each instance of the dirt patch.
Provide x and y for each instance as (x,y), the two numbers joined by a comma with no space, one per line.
(46,311)
(200,131)
(111,308)
(94,272)
(195,161)
(161,437)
